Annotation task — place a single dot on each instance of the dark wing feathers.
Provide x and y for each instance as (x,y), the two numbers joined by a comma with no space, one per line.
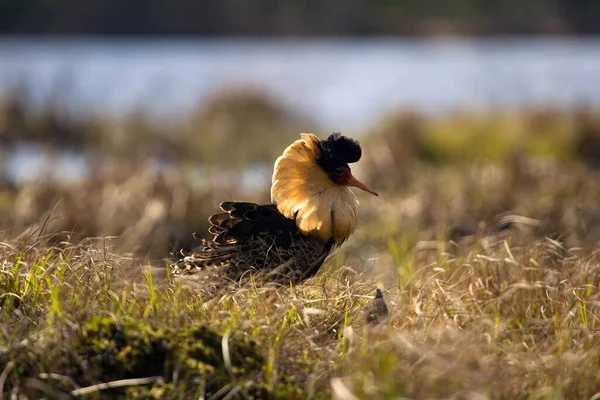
(258,238)
(243,222)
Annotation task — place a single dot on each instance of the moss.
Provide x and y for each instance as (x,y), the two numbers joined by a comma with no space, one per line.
(159,390)
(123,349)
(108,349)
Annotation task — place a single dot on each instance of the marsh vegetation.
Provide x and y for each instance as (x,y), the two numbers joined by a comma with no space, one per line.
(484,241)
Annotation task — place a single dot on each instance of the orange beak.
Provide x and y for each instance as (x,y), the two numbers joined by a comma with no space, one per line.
(356,183)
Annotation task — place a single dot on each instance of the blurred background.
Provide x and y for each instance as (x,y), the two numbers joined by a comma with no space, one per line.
(136,119)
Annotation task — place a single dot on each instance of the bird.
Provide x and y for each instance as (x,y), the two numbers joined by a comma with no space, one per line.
(377,311)
(312,212)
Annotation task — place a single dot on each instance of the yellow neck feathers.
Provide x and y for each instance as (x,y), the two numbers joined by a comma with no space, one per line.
(302,190)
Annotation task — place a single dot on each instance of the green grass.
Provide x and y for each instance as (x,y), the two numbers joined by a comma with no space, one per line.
(516,317)
(487,251)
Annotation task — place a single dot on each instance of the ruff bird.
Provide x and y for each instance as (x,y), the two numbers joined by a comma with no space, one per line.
(312,212)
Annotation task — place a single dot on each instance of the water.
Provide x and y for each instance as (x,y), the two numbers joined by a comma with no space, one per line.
(29,162)
(342,84)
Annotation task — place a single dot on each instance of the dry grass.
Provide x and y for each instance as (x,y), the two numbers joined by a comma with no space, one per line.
(505,320)
(490,267)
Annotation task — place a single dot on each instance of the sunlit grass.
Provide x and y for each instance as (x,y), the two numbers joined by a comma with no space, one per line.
(511,322)
(486,249)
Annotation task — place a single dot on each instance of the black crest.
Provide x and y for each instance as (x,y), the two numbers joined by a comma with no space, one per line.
(337,151)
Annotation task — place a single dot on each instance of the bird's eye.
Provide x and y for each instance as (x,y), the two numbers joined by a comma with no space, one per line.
(338,172)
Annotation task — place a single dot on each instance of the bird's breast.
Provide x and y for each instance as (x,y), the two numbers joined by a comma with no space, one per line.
(303,191)
(329,215)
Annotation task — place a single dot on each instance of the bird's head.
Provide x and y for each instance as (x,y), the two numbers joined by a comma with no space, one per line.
(335,154)
(311,181)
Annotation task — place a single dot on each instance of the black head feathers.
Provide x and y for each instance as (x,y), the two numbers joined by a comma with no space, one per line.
(347,148)
(338,150)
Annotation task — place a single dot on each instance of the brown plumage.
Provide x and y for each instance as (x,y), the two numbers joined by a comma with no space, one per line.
(312,211)
(377,311)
